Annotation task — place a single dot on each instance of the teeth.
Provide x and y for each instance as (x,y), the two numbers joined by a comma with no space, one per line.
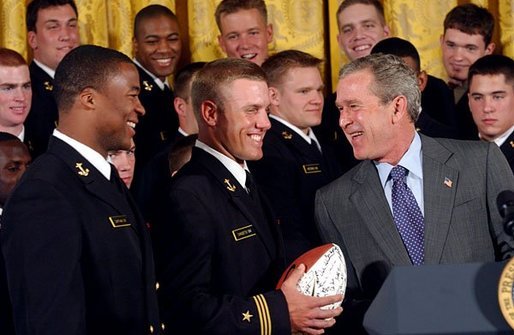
(131,124)
(248,56)
(256,138)
(165,61)
(361,48)
(358,133)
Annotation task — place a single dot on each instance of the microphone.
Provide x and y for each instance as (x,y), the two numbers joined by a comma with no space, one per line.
(505,203)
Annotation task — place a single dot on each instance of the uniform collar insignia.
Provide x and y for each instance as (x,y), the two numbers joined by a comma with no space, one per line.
(230,187)
(48,86)
(287,135)
(81,171)
(511,144)
(147,86)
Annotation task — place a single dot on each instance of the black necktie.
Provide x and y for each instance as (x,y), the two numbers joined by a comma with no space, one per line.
(250,185)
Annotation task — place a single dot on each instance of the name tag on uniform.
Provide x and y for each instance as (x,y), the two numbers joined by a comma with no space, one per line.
(311,168)
(119,221)
(243,233)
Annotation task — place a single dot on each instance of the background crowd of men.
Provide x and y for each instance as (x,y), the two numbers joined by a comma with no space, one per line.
(159,206)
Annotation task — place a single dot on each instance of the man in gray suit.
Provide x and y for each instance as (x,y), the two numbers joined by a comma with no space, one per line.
(452,184)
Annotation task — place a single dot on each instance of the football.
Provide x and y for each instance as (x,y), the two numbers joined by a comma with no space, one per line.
(325,272)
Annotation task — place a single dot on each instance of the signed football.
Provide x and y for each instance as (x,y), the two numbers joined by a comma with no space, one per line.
(325,272)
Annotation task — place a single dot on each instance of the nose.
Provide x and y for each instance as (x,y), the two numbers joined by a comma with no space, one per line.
(244,41)
(123,161)
(19,94)
(488,105)
(344,119)
(138,108)
(317,98)
(164,46)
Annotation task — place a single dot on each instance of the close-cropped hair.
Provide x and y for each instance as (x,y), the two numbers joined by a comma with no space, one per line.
(11,58)
(150,12)
(36,5)
(179,152)
(183,78)
(392,78)
(471,19)
(375,3)
(280,63)
(212,79)
(232,6)
(493,65)
(87,66)
(399,47)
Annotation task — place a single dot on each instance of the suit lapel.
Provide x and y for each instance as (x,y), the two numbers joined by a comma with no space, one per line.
(236,193)
(440,183)
(369,200)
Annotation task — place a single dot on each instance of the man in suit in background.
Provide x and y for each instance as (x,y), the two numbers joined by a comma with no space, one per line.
(219,247)
(468,33)
(52,31)
(15,93)
(413,199)
(14,160)
(78,256)
(157,50)
(244,29)
(294,163)
(491,101)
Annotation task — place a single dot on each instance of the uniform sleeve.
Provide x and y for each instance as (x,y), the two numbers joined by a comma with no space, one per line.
(41,245)
(188,299)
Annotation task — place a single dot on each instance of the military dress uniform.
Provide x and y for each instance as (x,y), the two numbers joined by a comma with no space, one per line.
(508,150)
(220,253)
(289,174)
(157,128)
(43,115)
(78,256)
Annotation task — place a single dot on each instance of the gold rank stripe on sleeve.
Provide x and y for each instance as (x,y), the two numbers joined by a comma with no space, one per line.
(264,316)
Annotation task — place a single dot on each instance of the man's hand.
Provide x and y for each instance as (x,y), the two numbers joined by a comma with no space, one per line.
(304,311)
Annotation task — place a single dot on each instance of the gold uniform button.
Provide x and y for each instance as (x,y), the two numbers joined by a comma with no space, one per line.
(157,286)
(151,329)
(163,326)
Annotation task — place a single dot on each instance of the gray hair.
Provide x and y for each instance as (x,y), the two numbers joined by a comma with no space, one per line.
(392,78)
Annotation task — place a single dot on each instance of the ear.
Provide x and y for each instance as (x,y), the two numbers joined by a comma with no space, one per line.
(209,112)
(274,96)
(135,45)
(31,37)
(221,42)
(387,31)
(179,104)
(422,80)
(87,98)
(490,48)
(441,40)
(269,33)
(399,105)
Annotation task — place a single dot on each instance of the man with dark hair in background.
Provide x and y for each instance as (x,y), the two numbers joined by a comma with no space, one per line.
(157,50)
(52,31)
(77,253)
(14,160)
(468,33)
(491,101)
(244,29)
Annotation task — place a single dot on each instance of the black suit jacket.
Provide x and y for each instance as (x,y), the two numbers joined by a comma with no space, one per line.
(289,174)
(508,150)
(466,127)
(438,103)
(6,321)
(221,256)
(78,257)
(43,115)
(158,126)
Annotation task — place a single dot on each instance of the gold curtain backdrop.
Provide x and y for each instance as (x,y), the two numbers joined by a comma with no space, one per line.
(298,24)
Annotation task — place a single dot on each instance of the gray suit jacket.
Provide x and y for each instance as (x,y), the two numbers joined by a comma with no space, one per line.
(461,180)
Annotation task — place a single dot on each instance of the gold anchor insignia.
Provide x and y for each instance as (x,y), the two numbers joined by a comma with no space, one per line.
(287,135)
(247,316)
(230,187)
(82,171)
(147,86)
(511,144)
(48,86)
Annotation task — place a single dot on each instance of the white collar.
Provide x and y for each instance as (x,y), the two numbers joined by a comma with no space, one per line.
(45,68)
(159,82)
